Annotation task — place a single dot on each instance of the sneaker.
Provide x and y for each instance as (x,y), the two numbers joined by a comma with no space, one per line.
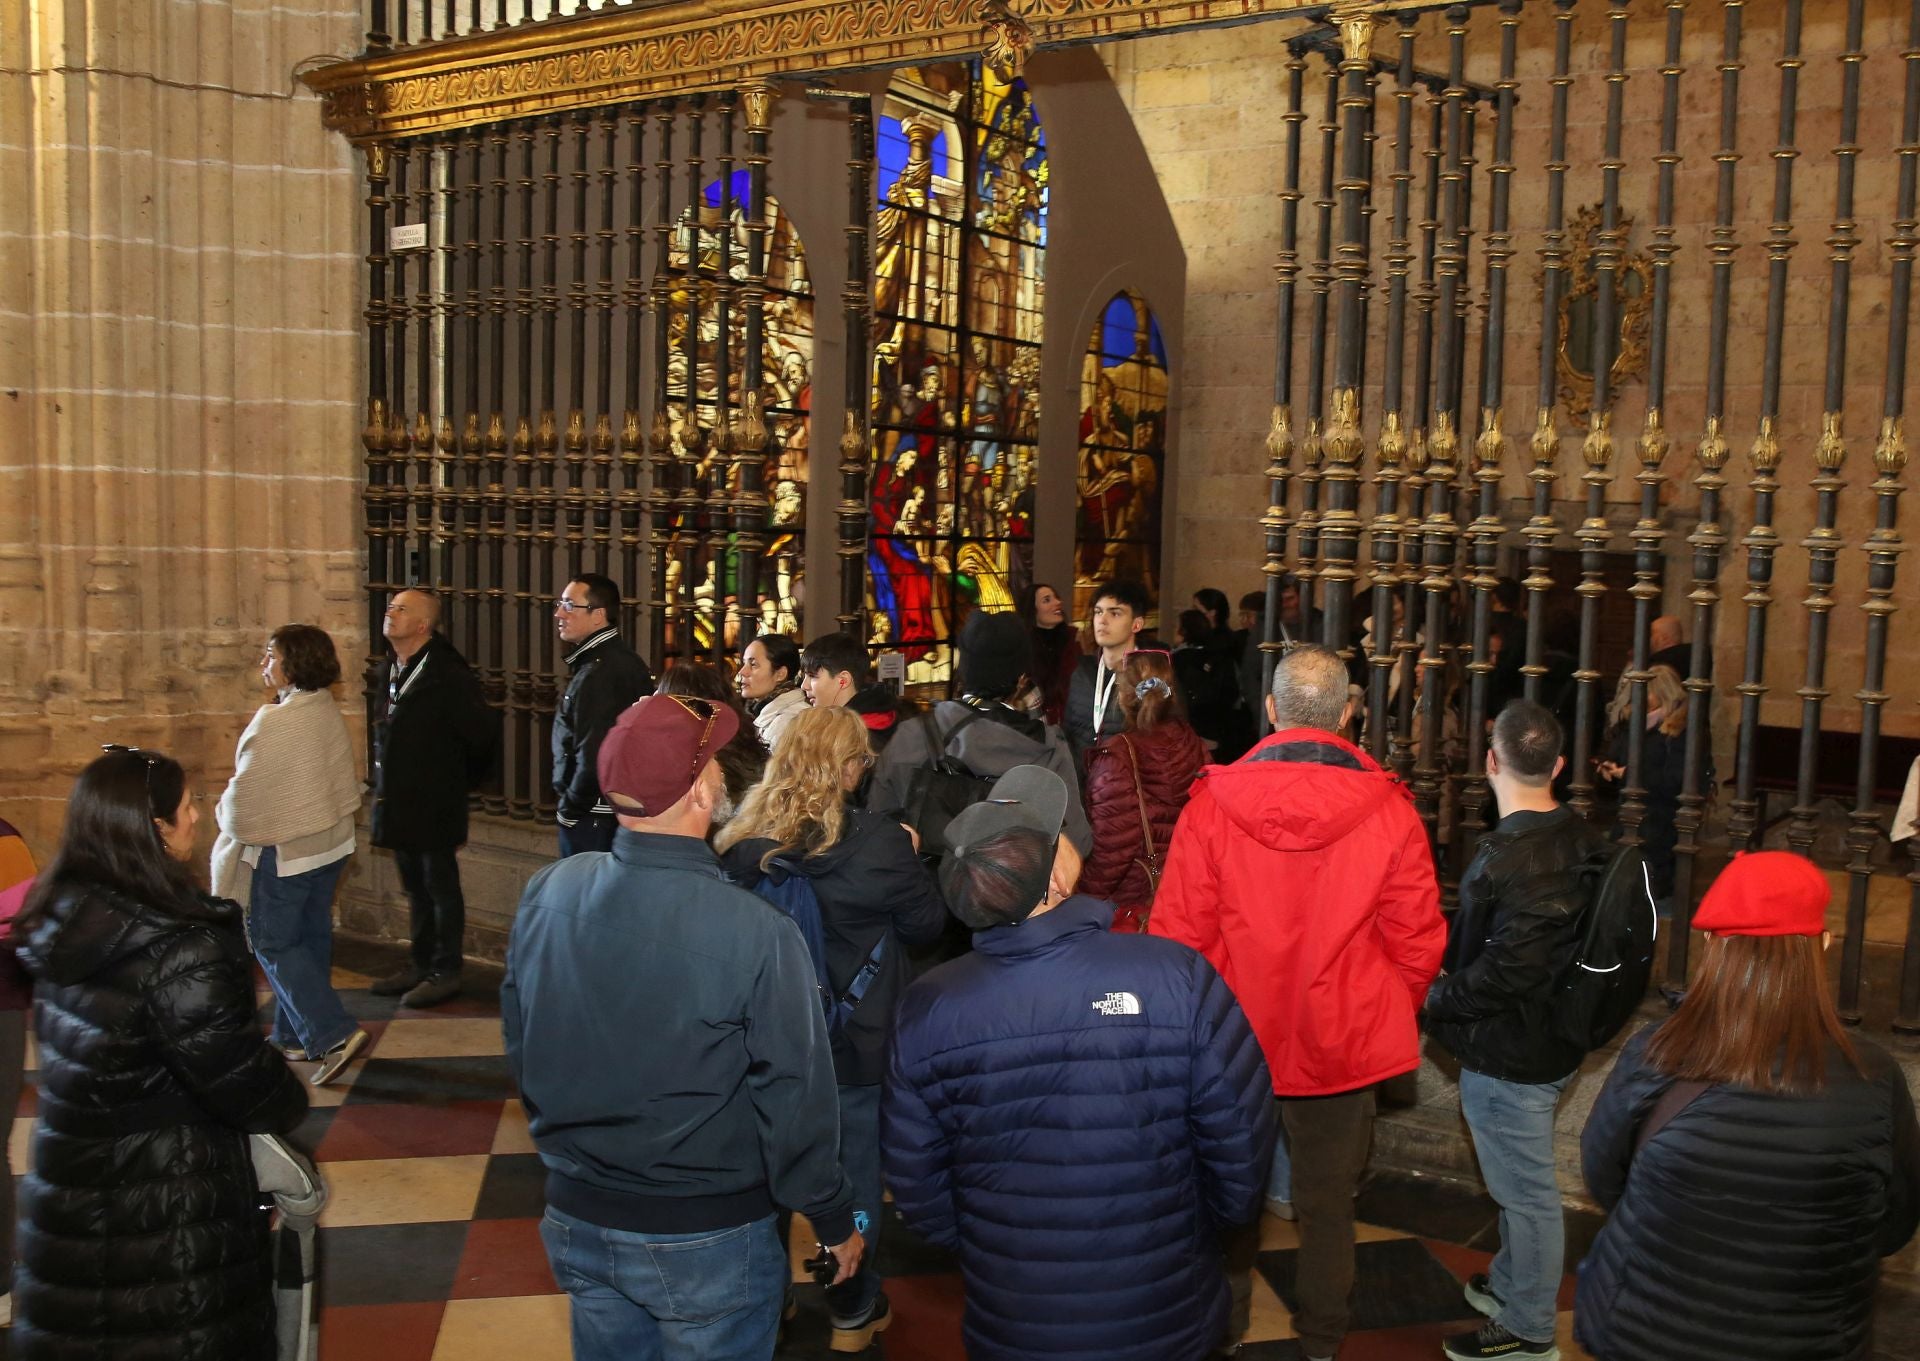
(859,1336)
(403,980)
(1280,1209)
(1479,1293)
(432,990)
(1494,1341)
(335,1060)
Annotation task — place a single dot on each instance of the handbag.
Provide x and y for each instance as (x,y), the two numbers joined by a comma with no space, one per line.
(1135,918)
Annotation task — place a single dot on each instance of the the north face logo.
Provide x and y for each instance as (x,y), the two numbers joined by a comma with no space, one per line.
(1118,1004)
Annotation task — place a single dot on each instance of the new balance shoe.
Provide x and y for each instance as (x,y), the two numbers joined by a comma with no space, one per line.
(1479,1293)
(335,1060)
(1494,1343)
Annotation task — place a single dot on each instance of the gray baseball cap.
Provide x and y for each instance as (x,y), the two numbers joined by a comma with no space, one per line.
(1027,797)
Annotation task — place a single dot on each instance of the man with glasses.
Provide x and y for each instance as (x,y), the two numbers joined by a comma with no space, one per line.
(604,676)
(434,743)
(665,1031)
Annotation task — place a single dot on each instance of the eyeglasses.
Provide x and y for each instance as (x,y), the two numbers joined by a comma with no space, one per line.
(708,713)
(119,748)
(570,606)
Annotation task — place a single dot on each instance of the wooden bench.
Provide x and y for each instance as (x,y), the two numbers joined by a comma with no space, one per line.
(1836,772)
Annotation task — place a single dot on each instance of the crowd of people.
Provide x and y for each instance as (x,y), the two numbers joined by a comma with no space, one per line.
(1073,968)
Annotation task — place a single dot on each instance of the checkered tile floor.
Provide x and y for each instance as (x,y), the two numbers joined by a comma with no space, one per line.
(430,1246)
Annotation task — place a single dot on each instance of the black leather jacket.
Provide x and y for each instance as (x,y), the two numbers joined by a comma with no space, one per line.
(1520,906)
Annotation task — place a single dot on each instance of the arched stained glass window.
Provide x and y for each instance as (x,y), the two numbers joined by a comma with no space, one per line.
(959,249)
(1123,426)
(705,583)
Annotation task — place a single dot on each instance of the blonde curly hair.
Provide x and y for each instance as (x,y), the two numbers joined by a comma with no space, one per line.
(800,803)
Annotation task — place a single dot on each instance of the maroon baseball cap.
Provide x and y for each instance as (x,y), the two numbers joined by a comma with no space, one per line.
(656,749)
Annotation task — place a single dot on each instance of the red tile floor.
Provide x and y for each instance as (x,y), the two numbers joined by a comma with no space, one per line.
(430,1247)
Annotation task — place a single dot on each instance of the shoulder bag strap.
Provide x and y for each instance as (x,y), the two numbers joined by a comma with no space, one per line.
(1672,1101)
(1140,800)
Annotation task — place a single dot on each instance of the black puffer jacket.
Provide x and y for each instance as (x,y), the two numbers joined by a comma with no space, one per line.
(869,883)
(1517,927)
(1751,1225)
(142,1236)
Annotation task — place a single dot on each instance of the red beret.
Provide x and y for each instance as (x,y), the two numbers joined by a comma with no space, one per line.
(655,750)
(1766,893)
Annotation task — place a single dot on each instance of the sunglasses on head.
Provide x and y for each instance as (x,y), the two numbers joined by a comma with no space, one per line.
(708,713)
(119,748)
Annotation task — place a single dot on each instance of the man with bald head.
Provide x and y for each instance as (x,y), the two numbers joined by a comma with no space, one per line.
(434,742)
(1666,647)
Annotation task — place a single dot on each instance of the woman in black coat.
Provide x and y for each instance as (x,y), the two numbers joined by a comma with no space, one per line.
(877,901)
(1756,1160)
(142,1233)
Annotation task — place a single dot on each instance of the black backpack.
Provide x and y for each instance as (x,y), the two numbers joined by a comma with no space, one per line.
(943,787)
(1604,981)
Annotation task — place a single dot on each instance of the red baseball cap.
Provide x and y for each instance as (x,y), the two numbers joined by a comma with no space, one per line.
(1766,893)
(657,748)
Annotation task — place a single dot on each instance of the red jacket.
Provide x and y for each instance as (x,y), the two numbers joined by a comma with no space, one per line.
(1302,873)
(1170,757)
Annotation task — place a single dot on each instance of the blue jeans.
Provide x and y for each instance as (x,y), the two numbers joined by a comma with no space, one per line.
(860,1160)
(1512,1126)
(291,923)
(709,1296)
(1280,1175)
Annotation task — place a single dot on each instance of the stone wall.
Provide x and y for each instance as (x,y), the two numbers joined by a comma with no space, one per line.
(1209,107)
(179,370)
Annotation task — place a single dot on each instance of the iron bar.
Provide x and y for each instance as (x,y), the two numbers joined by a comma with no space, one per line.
(607,299)
(1431,765)
(1884,546)
(696,546)
(750,433)
(546,444)
(473,444)
(493,673)
(1598,448)
(522,758)
(723,507)
(856,327)
(1391,449)
(1829,456)
(421,503)
(1709,537)
(666,468)
(1491,447)
(373,437)
(1542,531)
(635,493)
(1320,285)
(1762,541)
(1340,525)
(1277,522)
(1649,539)
(579,301)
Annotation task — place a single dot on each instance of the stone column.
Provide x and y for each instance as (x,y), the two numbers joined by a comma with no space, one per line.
(179,355)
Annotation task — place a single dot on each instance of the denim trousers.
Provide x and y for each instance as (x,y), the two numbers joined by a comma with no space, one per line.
(1280,1174)
(714,1295)
(860,1160)
(436,907)
(1512,1127)
(290,921)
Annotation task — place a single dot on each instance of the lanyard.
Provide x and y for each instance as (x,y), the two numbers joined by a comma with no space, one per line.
(1105,679)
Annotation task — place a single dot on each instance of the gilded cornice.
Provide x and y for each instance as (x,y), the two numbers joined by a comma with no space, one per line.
(644,52)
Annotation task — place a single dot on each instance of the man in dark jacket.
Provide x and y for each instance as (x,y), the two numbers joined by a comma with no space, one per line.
(604,676)
(664,1029)
(434,742)
(1521,905)
(1119,613)
(837,673)
(1076,1113)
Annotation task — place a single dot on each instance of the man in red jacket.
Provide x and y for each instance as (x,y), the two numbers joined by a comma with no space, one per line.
(1303,875)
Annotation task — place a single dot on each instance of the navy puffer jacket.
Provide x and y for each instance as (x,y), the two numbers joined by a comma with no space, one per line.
(1077,1115)
(1751,1225)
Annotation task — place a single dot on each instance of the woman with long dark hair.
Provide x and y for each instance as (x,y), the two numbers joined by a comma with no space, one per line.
(1056,647)
(769,683)
(1137,782)
(1756,1159)
(142,1236)
(877,901)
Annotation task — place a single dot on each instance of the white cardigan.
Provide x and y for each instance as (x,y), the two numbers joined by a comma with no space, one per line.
(294,787)
(774,716)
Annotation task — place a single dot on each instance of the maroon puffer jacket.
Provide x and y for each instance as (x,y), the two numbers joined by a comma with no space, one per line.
(1170,757)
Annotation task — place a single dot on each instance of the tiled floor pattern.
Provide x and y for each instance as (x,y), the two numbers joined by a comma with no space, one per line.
(430,1247)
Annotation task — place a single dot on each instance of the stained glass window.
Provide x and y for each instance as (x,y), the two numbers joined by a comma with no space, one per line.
(707,586)
(1123,426)
(959,247)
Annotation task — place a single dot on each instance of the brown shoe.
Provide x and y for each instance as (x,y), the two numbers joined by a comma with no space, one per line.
(432,990)
(402,980)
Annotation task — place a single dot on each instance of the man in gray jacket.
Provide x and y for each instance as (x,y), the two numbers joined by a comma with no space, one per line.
(666,1034)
